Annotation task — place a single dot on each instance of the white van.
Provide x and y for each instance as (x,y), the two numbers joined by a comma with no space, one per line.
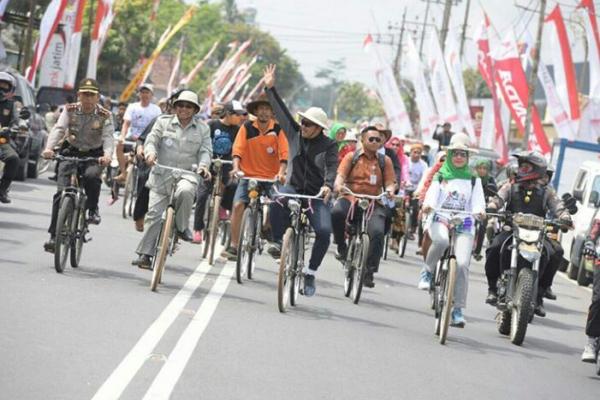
(586,189)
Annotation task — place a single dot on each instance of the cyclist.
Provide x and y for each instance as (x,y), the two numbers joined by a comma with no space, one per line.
(592,329)
(88,131)
(416,170)
(364,172)
(313,168)
(180,140)
(260,150)
(455,188)
(11,111)
(526,195)
(137,116)
(222,133)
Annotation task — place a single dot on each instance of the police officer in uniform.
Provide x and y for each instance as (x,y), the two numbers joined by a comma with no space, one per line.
(11,111)
(180,141)
(87,130)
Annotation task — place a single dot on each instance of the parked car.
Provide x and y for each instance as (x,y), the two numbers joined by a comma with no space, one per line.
(586,190)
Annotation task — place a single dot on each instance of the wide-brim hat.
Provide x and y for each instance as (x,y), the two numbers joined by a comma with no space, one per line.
(260,100)
(460,141)
(188,96)
(351,136)
(316,115)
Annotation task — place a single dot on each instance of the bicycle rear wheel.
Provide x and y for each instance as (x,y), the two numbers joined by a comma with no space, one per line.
(208,231)
(386,243)
(349,268)
(127,193)
(407,229)
(246,240)
(447,300)
(286,262)
(79,229)
(214,230)
(361,268)
(297,275)
(134,190)
(162,248)
(62,238)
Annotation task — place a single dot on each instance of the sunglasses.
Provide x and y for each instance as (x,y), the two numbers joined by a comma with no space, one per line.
(459,153)
(307,124)
(374,139)
(185,105)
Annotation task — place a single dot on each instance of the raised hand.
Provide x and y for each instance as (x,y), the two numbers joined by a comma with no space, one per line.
(269,75)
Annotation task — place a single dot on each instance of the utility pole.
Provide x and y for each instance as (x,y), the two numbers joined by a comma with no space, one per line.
(423,32)
(28,38)
(445,23)
(464,29)
(399,49)
(533,72)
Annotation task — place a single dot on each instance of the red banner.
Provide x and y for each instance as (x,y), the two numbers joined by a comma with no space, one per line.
(511,79)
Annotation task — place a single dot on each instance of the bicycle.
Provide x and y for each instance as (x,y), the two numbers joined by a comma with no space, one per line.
(130,188)
(291,263)
(214,223)
(355,265)
(250,229)
(71,223)
(167,238)
(396,219)
(444,277)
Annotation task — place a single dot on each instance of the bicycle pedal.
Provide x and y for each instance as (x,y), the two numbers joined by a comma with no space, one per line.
(87,239)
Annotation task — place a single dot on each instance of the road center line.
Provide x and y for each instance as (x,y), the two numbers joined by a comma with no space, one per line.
(116,383)
(167,378)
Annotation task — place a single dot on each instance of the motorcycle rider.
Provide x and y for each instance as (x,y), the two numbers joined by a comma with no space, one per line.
(11,111)
(525,195)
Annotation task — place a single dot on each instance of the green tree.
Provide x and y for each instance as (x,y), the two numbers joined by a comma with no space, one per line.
(355,102)
(475,86)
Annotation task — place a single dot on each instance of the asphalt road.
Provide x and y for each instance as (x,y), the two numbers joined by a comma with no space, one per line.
(98,332)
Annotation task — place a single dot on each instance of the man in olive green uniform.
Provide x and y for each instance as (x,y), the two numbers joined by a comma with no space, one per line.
(180,141)
(86,130)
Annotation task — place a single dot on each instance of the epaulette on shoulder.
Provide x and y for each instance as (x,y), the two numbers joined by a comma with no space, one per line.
(103,111)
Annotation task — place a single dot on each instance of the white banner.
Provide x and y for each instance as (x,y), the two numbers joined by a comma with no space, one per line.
(53,65)
(592,36)
(104,17)
(455,71)
(557,112)
(398,119)
(3,4)
(428,117)
(440,84)
(73,22)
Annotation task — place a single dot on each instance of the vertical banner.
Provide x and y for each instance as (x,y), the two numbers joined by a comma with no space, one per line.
(192,74)
(176,68)
(398,119)
(74,20)
(53,65)
(440,84)
(48,25)
(593,41)
(564,69)
(104,16)
(428,117)
(486,69)
(511,79)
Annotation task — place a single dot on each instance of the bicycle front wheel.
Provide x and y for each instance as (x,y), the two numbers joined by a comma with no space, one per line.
(213,230)
(64,226)
(245,251)
(79,229)
(349,268)
(127,194)
(361,268)
(162,248)
(447,299)
(285,277)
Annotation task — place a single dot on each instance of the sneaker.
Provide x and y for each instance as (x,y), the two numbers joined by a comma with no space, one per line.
(223,214)
(274,250)
(340,253)
(539,309)
(94,217)
(492,298)
(186,235)
(424,280)
(4,197)
(368,280)
(458,320)
(197,238)
(230,253)
(309,285)
(477,257)
(143,262)
(590,351)
(50,245)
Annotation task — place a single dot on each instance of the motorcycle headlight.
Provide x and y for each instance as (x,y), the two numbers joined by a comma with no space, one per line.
(3,140)
(294,205)
(529,235)
(363,203)
(529,251)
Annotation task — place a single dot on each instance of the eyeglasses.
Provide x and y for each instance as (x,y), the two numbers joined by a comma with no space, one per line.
(459,153)
(185,105)
(307,124)
(374,139)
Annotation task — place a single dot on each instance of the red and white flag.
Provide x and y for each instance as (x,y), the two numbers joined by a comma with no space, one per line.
(52,17)
(564,69)
(75,22)
(510,77)
(440,84)
(104,18)
(176,68)
(486,69)
(593,40)
(398,119)
(3,4)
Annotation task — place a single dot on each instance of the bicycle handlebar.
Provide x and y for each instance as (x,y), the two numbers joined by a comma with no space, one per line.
(75,159)
(318,196)
(447,210)
(362,196)
(219,160)
(175,169)
(258,179)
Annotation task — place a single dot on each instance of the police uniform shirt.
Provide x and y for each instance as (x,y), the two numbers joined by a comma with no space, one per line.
(85,131)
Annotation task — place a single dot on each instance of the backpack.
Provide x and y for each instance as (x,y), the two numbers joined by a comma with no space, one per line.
(222,143)
(380,161)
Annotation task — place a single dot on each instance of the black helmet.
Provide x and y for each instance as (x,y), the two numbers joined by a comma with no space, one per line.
(550,172)
(536,160)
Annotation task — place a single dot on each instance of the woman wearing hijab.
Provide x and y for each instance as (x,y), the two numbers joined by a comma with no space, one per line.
(454,187)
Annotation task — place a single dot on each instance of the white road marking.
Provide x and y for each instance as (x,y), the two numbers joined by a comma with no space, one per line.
(167,378)
(572,282)
(117,382)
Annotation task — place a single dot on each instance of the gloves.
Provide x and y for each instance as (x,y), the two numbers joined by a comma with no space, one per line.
(491,187)
(24,113)
(570,203)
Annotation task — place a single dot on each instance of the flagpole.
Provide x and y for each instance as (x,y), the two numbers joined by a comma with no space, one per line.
(533,73)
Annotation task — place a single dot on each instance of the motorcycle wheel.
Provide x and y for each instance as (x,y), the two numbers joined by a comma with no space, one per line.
(503,322)
(523,306)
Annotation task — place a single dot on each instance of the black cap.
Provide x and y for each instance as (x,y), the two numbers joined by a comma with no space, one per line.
(89,85)
(234,107)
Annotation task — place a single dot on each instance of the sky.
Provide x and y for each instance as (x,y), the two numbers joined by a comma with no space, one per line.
(315,31)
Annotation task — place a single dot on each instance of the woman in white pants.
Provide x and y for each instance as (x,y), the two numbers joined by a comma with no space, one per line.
(455,187)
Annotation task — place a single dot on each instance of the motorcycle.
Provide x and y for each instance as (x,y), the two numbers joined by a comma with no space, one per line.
(518,285)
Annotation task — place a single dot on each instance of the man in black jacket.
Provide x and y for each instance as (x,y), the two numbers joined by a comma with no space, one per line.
(313,169)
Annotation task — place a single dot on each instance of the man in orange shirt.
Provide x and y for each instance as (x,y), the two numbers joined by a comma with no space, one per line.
(362,172)
(260,150)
